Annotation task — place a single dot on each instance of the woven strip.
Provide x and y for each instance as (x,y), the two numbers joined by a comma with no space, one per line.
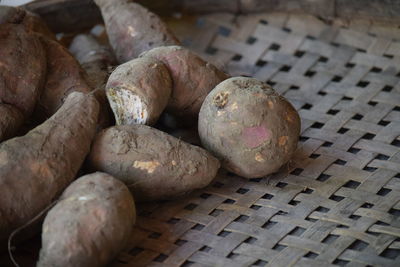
(337,201)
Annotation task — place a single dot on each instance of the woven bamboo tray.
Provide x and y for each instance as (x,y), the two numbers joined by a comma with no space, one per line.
(337,201)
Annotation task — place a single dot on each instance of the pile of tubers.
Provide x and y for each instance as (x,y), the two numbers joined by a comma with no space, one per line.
(57,123)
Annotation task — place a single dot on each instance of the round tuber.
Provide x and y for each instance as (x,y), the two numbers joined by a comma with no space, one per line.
(250,127)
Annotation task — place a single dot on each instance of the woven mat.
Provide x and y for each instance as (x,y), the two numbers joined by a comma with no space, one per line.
(337,201)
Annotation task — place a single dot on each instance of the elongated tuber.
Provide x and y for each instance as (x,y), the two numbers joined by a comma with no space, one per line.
(91,222)
(30,21)
(11,120)
(36,168)
(64,76)
(152,163)
(132,29)
(22,71)
(193,78)
(96,60)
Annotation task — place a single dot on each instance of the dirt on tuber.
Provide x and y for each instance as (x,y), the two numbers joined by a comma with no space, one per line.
(152,163)
(251,128)
(91,222)
(37,167)
(64,76)
(21,81)
(193,78)
(133,29)
(96,60)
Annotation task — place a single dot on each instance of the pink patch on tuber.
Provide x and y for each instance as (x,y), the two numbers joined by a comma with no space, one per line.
(255,136)
(114,84)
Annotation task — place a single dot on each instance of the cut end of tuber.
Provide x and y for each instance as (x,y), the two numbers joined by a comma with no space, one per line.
(128,107)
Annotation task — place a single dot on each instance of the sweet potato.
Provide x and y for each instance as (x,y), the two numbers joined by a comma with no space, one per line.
(132,29)
(34,23)
(11,120)
(20,80)
(91,222)
(250,127)
(87,50)
(30,21)
(64,76)
(152,163)
(193,78)
(35,168)
(96,60)
(139,90)
(9,14)
(22,71)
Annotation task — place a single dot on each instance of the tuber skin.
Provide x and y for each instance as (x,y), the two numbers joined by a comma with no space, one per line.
(133,29)
(138,91)
(252,129)
(64,76)
(96,60)
(9,14)
(87,49)
(193,78)
(34,23)
(21,81)
(91,222)
(152,163)
(11,120)
(36,168)
(30,21)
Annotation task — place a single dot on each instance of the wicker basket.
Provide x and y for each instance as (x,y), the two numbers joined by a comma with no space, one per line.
(337,201)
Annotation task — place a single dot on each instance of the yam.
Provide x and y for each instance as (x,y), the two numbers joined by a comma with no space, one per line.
(11,120)
(87,50)
(96,60)
(91,222)
(138,91)
(30,21)
(133,29)
(21,81)
(34,23)
(252,129)
(9,14)
(152,163)
(36,168)
(193,78)
(64,76)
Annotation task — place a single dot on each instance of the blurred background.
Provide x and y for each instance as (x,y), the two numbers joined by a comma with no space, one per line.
(14,2)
